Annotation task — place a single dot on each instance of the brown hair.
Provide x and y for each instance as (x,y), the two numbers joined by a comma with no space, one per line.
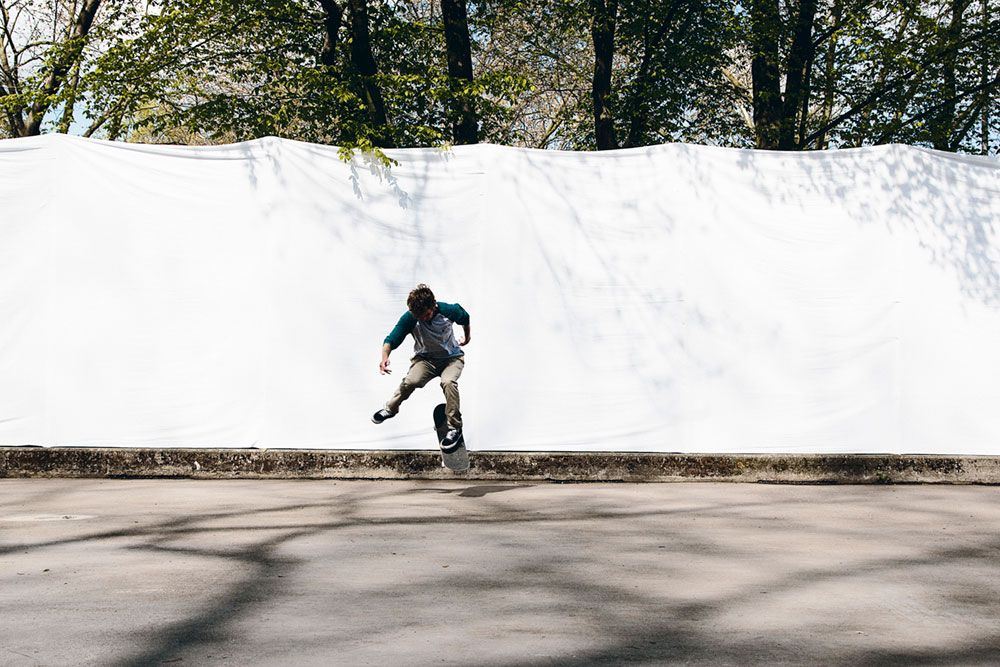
(421,299)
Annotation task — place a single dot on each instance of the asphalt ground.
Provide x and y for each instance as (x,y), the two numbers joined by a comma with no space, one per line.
(333,572)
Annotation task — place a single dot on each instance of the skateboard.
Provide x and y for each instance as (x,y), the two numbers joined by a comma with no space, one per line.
(455,457)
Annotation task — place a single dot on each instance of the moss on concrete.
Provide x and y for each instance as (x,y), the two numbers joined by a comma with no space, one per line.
(568,467)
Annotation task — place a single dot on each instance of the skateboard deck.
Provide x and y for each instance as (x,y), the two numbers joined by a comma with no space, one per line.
(455,457)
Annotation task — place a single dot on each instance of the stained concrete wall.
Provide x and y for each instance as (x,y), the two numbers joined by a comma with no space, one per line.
(568,467)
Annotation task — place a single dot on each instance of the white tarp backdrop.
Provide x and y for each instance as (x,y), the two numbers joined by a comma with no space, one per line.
(673,298)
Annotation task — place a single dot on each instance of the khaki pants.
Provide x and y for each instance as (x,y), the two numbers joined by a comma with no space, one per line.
(421,372)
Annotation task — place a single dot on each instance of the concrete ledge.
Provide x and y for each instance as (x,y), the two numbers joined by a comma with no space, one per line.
(566,467)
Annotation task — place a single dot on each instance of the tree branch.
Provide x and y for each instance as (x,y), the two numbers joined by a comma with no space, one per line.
(878,94)
(973,115)
(942,104)
(57,75)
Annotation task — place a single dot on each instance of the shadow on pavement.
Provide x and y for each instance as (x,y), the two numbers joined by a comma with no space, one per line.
(555,575)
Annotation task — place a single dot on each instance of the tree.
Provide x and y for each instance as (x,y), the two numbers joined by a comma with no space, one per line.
(611,73)
(776,74)
(775,116)
(958,87)
(868,71)
(604,15)
(465,126)
(801,51)
(543,51)
(39,69)
(305,70)
(670,82)
(364,63)
(357,73)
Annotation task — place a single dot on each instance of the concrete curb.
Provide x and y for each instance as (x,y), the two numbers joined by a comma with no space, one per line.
(21,462)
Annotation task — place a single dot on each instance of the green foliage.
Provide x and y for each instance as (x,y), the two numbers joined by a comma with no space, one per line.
(195,71)
(667,81)
(234,70)
(670,83)
(900,71)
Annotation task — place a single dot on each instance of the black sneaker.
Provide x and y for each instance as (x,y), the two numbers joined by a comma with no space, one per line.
(382,415)
(451,439)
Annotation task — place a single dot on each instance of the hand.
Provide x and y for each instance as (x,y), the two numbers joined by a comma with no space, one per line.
(383,368)
(465,341)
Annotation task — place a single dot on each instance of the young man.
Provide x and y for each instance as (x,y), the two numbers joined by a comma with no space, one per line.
(436,353)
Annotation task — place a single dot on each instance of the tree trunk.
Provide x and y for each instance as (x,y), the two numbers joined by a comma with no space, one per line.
(804,101)
(984,121)
(364,61)
(465,128)
(638,111)
(800,59)
(605,15)
(72,89)
(70,55)
(943,123)
(9,82)
(15,119)
(764,27)
(333,19)
(830,70)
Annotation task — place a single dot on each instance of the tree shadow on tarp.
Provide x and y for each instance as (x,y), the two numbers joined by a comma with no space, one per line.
(946,202)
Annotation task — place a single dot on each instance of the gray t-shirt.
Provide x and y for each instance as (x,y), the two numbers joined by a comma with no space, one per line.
(434,339)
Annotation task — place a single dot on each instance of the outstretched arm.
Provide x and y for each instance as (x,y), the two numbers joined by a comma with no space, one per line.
(383,367)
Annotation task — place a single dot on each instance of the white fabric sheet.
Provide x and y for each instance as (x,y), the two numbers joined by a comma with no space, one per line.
(673,298)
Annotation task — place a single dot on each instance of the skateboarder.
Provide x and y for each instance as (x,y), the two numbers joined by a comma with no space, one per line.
(436,353)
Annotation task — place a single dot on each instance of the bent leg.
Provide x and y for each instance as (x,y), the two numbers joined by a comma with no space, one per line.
(449,384)
(420,373)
